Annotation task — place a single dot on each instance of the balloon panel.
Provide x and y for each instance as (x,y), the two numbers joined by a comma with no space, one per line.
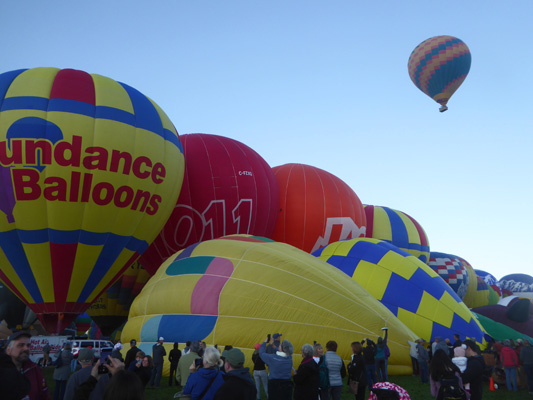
(519,284)
(236,289)
(90,170)
(228,189)
(452,270)
(439,65)
(317,208)
(82,323)
(397,228)
(409,288)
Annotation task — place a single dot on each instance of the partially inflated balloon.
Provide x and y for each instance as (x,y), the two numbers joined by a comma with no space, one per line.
(452,270)
(519,284)
(397,228)
(438,66)
(228,189)
(90,171)
(317,208)
(82,323)
(110,310)
(406,285)
(236,289)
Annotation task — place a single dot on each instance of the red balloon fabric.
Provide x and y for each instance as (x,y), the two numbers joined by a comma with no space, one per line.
(317,208)
(228,189)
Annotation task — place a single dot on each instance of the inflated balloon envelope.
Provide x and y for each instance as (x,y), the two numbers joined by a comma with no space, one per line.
(237,289)
(90,170)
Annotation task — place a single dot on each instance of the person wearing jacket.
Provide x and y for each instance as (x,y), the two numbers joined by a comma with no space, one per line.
(423,358)
(510,364)
(260,373)
(357,371)
(280,369)
(413,352)
(62,373)
(336,368)
(473,374)
(238,384)
(307,378)
(526,356)
(20,376)
(186,360)
(174,358)
(381,368)
(85,358)
(442,368)
(204,383)
(158,353)
(131,354)
(369,354)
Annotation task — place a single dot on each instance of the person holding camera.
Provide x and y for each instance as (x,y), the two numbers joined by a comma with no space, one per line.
(85,358)
(183,372)
(207,378)
(280,369)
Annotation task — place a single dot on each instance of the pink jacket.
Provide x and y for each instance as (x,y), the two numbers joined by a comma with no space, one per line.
(508,357)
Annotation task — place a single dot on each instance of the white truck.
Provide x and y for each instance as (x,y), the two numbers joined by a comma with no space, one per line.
(38,342)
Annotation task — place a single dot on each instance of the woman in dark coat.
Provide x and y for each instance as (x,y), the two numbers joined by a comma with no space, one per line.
(307,378)
(357,370)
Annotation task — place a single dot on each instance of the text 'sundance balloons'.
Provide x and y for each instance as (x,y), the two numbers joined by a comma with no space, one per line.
(316,208)
(407,286)
(235,290)
(397,228)
(438,66)
(90,170)
(228,189)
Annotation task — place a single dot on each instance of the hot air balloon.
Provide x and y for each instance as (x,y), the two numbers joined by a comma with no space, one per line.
(397,228)
(82,323)
(317,208)
(407,286)
(452,270)
(519,284)
(90,171)
(234,290)
(110,310)
(228,189)
(438,66)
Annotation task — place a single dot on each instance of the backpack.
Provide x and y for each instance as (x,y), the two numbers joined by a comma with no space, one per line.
(451,390)
(324,374)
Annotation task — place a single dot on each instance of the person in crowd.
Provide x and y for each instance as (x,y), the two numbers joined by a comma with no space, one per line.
(183,372)
(307,377)
(450,347)
(131,354)
(318,352)
(85,358)
(207,378)
(357,371)
(380,357)
(203,346)
(369,354)
(118,345)
(526,357)
(20,378)
(174,358)
(46,353)
(318,356)
(442,368)
(238,384)
(280,369)
(62,373)
(473,373)
(187,348)
(414,356)
(123,385)
(457,340)
(142,367)
(336,368)
(158,354)
(423,358)
(510,364)
(260,373)
(460,361)
(440,344)
(276,339)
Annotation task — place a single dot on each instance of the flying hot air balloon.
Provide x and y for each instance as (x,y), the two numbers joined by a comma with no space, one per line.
(90,171)
(438,66)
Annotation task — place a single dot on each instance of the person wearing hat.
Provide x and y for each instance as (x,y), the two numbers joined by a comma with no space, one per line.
(260,373)
(131,354)
(473,374)
(280,369)
(276,339)
(20,376)
(62,373)
(85,358)
(158,353)
(238,384)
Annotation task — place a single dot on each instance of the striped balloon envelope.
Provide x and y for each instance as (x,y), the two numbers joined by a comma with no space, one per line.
(397,228)
(452,270)
(438,66)
(90,170)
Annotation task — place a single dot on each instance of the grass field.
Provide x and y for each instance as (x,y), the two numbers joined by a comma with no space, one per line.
(412,384)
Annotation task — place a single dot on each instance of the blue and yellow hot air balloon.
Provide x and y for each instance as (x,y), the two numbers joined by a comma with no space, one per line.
(90,170)
(438,66)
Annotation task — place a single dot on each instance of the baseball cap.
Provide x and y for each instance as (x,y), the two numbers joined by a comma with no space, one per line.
(161,338)
(133,342)
(235,357)
(86,354)
(18,335)
(276,335)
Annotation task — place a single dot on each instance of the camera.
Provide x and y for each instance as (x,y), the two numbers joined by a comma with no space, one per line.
(268,338)
(103,360)
(198,362)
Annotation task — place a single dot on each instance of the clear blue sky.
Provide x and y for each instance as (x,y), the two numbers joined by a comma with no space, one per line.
(325,83)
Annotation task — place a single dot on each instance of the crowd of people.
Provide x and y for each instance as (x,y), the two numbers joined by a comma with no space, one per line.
(203,372)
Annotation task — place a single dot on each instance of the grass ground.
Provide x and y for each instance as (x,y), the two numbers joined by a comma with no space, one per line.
(416,390)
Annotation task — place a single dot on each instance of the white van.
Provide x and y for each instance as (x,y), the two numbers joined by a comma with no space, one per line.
(96,345)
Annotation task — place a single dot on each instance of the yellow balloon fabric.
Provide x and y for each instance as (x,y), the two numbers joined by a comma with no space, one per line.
(237,289)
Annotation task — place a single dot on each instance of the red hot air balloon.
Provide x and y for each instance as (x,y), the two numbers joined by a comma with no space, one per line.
(228,189)
(317,208)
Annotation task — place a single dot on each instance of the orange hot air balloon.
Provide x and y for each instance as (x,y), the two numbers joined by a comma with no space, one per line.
(316,208)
